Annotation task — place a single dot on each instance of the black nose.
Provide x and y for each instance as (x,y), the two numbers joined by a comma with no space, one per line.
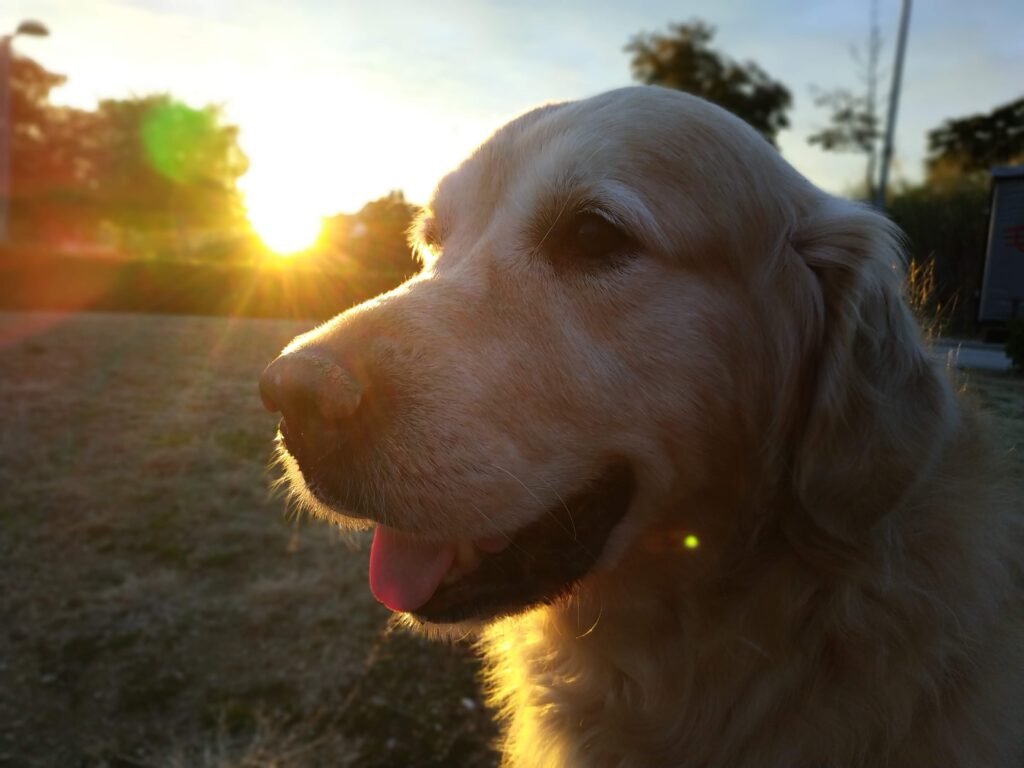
(314,394)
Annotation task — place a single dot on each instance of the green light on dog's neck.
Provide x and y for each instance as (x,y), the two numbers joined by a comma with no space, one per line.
(691,541)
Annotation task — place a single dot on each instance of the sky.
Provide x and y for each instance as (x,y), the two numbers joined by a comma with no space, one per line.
(340,101)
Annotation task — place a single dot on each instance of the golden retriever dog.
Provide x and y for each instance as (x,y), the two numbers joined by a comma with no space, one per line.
(655,423)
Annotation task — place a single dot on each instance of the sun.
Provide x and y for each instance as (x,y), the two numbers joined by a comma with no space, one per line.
(286,227)
(284,213)
(287,233)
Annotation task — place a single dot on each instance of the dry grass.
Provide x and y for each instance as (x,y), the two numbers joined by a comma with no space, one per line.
(920,288)
(1002,396)
(159,609)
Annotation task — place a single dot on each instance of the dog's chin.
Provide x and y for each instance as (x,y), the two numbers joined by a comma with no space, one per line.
(543,561)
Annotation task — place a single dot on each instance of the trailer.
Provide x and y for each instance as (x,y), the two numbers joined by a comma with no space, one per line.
(1002,282)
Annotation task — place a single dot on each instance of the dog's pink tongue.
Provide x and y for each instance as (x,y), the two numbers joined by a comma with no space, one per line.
(406,571)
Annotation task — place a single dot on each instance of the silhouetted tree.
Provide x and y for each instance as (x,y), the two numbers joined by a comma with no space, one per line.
(977,143)
(854,124)
(50,172)
(32,118)
(164,165)
(683,59)
(147,165)
(377,236)
(945,218)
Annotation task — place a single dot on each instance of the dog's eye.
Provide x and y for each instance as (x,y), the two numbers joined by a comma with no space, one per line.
(592,239)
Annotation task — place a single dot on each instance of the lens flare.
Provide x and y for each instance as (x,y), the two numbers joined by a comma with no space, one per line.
(178,140)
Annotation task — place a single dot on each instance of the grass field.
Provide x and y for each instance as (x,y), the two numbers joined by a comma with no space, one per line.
(159,608)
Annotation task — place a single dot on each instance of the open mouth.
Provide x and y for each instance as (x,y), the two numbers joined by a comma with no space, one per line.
(452,581)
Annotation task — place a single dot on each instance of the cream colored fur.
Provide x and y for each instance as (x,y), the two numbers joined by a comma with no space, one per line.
(855,596)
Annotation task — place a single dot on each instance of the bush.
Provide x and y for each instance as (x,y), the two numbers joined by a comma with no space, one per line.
(946,228)
(272,289)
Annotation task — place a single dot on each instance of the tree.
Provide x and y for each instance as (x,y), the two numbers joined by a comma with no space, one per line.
(376,238)
(148,165)
(162,165)
(50,175)
(683,59)
(854,124)
(974,144)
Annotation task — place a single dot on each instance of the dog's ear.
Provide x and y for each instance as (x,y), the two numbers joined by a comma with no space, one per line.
(878,409)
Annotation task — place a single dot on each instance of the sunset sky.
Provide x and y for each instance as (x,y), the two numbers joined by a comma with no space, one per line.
(341,101)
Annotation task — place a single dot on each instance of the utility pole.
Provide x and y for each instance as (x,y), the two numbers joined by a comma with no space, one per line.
(894,102)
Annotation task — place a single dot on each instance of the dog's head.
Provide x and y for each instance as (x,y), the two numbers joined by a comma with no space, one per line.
(635,324)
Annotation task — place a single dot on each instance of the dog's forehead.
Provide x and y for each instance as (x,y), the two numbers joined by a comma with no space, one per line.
(487,173)
(676,168)
(631,135)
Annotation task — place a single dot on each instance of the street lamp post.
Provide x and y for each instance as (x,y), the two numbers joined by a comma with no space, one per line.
(30,28)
